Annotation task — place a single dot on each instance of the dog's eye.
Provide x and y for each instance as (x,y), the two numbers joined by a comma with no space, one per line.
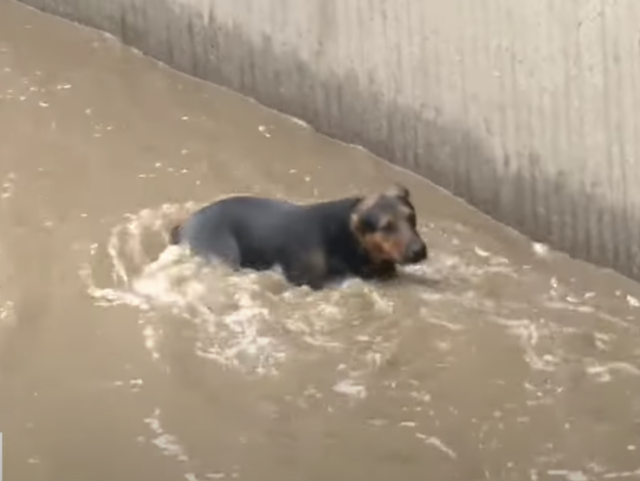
(388,227)
(412,220)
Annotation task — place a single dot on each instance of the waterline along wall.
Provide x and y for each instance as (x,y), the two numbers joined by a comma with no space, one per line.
(529,110)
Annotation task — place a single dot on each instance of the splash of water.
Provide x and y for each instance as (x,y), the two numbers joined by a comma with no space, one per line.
(246,320)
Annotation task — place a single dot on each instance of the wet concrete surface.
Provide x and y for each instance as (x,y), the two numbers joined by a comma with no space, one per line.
(122,359)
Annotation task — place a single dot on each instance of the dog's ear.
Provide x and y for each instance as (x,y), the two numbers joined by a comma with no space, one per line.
(398,190)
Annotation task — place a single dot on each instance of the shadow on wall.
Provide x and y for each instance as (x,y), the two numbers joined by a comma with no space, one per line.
(512,190)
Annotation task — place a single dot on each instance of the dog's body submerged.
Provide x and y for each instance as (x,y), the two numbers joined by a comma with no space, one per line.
(313,244)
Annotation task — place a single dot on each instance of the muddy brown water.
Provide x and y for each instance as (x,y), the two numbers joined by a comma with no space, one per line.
(122,359)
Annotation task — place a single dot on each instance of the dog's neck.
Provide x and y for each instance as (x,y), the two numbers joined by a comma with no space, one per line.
(337,215)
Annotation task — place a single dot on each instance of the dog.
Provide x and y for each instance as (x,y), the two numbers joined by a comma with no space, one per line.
(313,244)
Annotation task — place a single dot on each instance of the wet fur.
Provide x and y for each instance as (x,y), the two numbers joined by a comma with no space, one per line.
(313,244)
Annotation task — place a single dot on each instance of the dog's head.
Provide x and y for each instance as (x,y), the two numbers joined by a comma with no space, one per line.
(385,225)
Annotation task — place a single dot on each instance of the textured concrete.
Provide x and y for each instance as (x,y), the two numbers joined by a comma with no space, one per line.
(525,109)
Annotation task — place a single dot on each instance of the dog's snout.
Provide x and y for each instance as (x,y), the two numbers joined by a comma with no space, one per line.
(417,251)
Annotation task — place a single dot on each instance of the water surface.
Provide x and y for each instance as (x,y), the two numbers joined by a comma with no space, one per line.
(122,359)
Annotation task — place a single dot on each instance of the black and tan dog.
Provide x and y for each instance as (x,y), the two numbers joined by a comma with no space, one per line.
(314,243)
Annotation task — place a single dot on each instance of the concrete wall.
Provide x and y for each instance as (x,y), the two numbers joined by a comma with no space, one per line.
(528,109)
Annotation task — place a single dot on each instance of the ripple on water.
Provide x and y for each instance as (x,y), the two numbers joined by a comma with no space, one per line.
(257,323)
(254,322)
(520,339)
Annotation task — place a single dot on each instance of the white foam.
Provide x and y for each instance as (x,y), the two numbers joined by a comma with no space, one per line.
(246,320)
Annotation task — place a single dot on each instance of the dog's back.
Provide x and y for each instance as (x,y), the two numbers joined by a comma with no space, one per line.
(242,230)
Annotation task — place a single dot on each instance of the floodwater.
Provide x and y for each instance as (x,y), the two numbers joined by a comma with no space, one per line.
(122,359)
